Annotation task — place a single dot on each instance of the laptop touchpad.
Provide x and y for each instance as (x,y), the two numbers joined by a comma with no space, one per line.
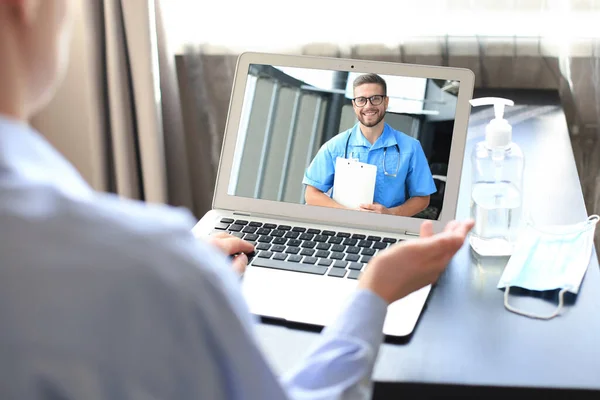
(306,298)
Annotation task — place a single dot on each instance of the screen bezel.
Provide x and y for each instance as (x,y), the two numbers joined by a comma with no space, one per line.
(341,217)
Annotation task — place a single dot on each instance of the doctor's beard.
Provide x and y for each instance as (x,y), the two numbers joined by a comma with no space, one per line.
(373,121)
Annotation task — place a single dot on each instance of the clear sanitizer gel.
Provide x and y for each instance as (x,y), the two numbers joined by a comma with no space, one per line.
(497,179)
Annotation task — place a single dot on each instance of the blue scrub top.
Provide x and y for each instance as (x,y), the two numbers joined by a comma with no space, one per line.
(413,177)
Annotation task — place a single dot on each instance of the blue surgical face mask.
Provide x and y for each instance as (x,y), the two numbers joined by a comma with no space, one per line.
(550,258)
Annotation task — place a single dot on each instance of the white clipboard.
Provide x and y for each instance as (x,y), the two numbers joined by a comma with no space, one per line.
(353,182)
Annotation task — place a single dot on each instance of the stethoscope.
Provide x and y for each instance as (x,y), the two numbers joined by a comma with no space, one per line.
(384,155)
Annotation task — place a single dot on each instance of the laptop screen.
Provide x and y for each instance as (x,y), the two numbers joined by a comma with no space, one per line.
(367,142)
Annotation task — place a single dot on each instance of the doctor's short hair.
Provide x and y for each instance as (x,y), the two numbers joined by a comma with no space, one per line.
(370,78)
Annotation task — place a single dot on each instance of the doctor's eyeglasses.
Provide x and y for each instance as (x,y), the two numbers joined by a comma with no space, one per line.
(375,100)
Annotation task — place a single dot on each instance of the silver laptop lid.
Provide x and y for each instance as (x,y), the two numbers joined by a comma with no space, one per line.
(288,113)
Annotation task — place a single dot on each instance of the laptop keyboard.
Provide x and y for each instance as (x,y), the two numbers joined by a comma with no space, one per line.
(303,249)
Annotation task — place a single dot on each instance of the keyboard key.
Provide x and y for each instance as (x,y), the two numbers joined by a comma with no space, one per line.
(355,265)
(241,222)
(265,239)
(236,227)
(328,233)
(337,272)
(365,243)
(353,274)
(277,233)
(255,224)
(292,250)
(322,254)
(277,248)
(279,256)
(265,254)
(295,258)
(263,231)
(307,252)
(325,262)
(323,246)
(221,226)
(314,231)
(380,245)
(365,259)
(367,252)
(270,263)
(352,250)
(291,235)
(309,260)
(294,242)
(350,242)
(284,227)
(226,220)
(352,257)
(298,229)
(309,245)
(237,234)
(249,229)
(263,246)
(358,236)
(279,240)
(338,247)
(337,256)
(251,237)
(340,264)
(374,238)
(343,234)
(335,240)
(307,236)
(389,240)
(320,238)
(270,226)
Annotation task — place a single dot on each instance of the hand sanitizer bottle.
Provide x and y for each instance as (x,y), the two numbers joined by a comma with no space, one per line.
(497,178)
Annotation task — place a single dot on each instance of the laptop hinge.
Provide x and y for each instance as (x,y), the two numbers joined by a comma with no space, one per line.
(247,214)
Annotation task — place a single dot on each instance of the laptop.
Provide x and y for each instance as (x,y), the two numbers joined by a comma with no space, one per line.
(283,109)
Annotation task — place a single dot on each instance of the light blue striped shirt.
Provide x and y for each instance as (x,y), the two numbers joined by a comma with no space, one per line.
(107,298)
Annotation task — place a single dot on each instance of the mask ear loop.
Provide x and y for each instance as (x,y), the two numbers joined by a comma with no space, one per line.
(591,219)
(531,315)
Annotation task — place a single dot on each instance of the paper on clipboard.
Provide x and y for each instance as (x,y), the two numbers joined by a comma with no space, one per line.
(354,182)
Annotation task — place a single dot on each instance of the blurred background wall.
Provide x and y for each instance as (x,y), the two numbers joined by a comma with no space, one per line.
(143,108)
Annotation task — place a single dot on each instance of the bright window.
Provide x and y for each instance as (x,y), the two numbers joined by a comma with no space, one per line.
(266,25)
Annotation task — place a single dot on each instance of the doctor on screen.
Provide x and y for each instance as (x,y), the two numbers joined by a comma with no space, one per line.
(404,181)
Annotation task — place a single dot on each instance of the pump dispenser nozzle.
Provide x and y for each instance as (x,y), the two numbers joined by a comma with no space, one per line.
(498,132)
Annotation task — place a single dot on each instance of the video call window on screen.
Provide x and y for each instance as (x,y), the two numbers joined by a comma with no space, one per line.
(296,122)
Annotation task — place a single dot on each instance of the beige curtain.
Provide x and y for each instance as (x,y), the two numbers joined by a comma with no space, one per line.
(134,96)
(148,142)
(117,116)
(74,122)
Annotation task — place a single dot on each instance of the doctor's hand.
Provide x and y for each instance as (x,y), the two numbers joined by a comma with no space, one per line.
(408,266)
(233,246)
(376,208)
